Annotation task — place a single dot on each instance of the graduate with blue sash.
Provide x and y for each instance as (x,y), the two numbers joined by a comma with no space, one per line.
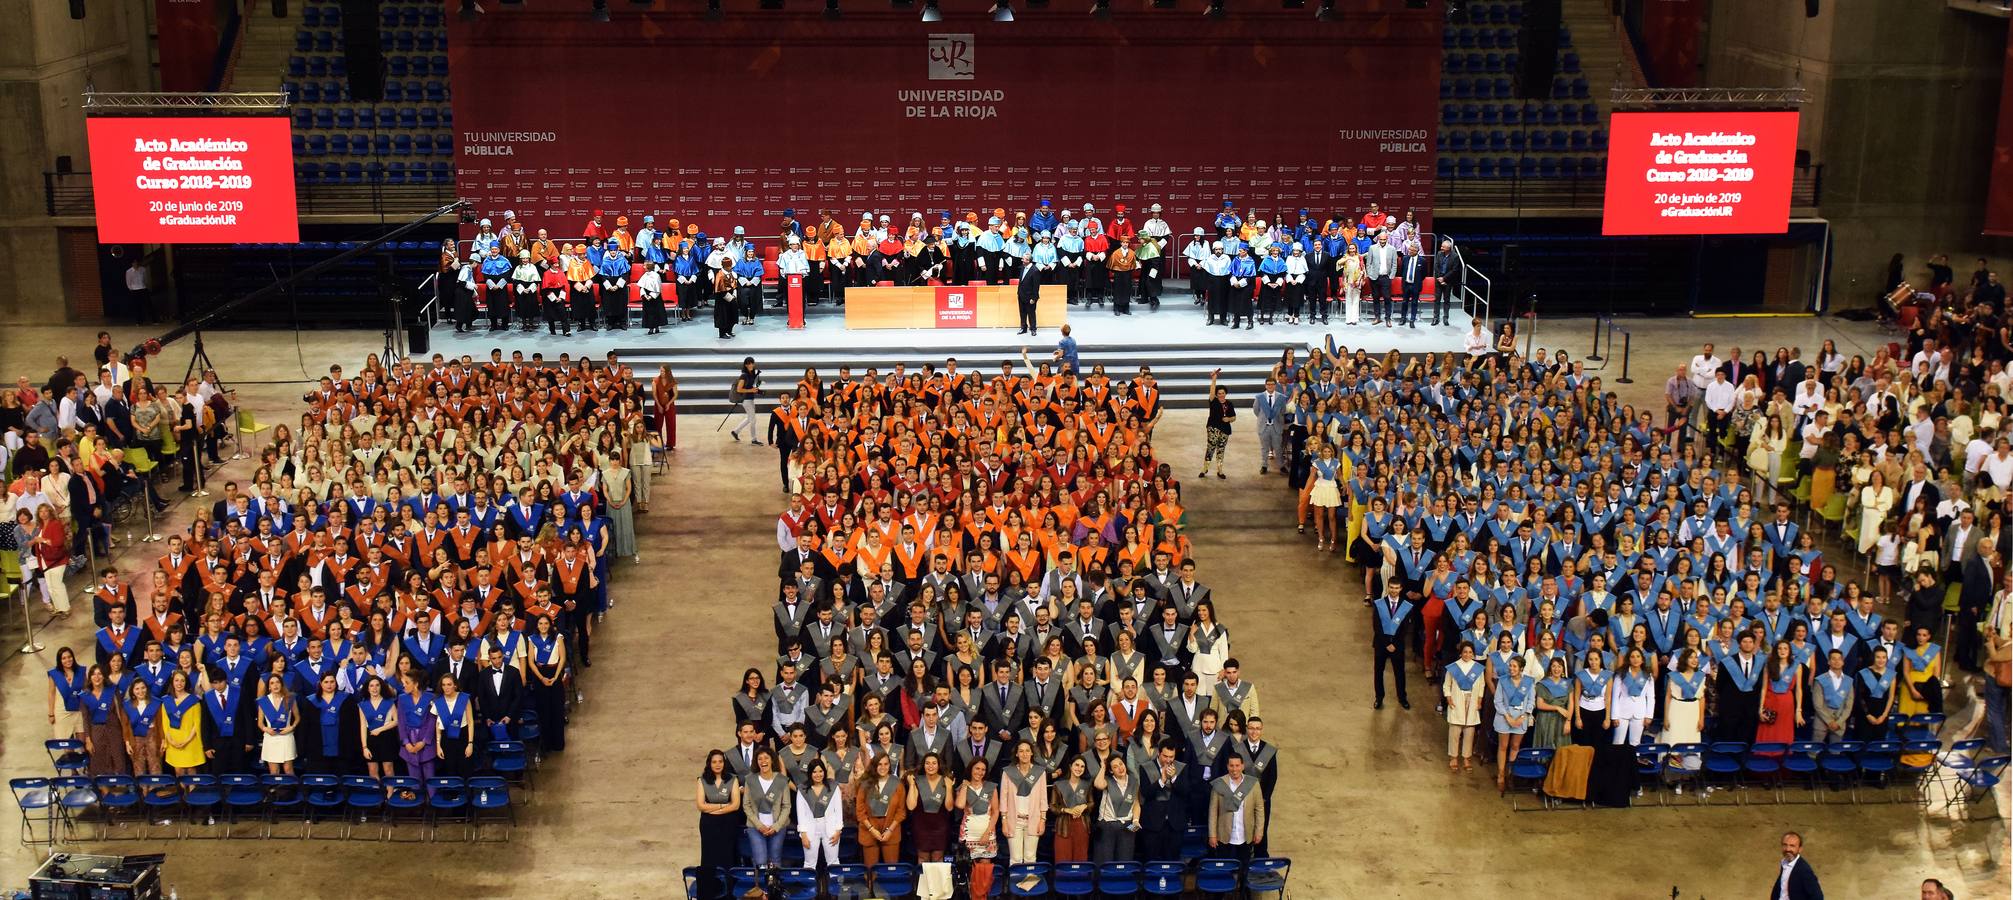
(1394,625)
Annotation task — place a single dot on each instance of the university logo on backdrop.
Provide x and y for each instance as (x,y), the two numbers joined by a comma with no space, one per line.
(953,57)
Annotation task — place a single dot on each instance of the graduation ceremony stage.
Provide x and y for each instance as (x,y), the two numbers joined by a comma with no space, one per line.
(1174,341)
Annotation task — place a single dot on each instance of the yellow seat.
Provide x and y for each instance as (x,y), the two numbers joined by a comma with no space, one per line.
(248,426)
(141,461)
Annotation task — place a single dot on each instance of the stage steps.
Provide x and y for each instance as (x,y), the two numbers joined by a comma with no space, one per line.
(705,374)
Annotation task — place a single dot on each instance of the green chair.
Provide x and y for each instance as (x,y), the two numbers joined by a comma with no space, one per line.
(1802,490)
(1834,510)
(248,426)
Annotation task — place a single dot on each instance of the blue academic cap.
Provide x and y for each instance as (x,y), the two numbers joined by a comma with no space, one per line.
(1229,203)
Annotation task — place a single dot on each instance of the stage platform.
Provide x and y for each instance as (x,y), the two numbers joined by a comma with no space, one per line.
(1174,341)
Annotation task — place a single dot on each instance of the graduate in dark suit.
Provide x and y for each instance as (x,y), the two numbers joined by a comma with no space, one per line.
(1391,632)
(1738,685)
(499,698)
(1166,793)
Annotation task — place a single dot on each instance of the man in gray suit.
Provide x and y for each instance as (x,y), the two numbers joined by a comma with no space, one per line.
(1001,702)
(1379,265)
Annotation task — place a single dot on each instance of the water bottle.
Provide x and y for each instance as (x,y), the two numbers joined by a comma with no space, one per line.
(174,894)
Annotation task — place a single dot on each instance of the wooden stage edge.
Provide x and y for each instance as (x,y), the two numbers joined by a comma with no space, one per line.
(950,307)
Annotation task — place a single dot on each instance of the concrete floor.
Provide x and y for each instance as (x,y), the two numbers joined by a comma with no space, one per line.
(1366,808)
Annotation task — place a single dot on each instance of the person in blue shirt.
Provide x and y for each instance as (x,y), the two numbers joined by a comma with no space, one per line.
(611,271)
(748,274)
(1243,271)
(1271,283)
(1066,352)
(1227,221)
(992,258)
(496,288)
(1043,220)
(1069,247)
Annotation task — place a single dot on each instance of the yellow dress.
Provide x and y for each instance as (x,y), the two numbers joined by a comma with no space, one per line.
(1907,704)
(191,756)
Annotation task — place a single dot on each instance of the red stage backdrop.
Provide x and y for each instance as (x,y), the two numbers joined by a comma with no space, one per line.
(730,122)
(189,33)
(1699,172)
(1999,197)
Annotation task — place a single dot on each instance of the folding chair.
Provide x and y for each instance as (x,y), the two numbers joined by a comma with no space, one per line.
(67,755)
(1219,876)
(405,800)
(1267,875)
(447,801)
(489,802)
(244,796)
(1074,879)
(1527,774)
(1164,879)
(1118,879)
(283,797)
(325,797)
(848,881)
(248,426)
(75,796)
(37,802)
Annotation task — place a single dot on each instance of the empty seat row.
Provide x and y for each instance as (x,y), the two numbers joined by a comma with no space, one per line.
(1458,37)
(1512,113)
(1541,140)
(345,118)
(1500,87)
(402,144)
(1492,63)
(1524,167)
(376,173)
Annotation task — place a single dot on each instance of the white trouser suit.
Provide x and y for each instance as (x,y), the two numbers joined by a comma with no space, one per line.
(821,827)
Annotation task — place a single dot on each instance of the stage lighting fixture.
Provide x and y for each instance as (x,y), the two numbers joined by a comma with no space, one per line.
(1292,4)
(470,10)
(1416,4)
(1100,9)
(1214,10)
(931,13)
(600,13)
(1810,9)
(1037,4)
(1002,11)
(519,4)
(1163,4)
(713,13)
(1326,13)
(902,4)
(76,9)
(642,2)
(831,9)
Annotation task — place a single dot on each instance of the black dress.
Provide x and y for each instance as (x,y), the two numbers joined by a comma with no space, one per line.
(549,700)
(719,840)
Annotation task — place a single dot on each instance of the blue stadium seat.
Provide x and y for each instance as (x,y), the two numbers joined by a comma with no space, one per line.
(359,145)
(443,173)
(1513,113)
(300,143)
(427,42)
(1470,114)
(1449,113)
(1489,114)
(1456,65)
(1517,141)
(318,66)
(1549,114)
(352,173)
(311,17)
(1527,167)
(408,117)
(1548,167)
(1458,141)
(345,118)
(444,145)
(1570,63)
(1487,168)
(1580,90)
(1444,167)
(436,92)
(380,145)
(324,42)
(396,67)
(429,117)
(1578,139)
(303,41)
(1486,39)
(1464,167)
(1498,140)
(401,145)
(338,66)
(395,92)
(297,66)
(1597,139)
(318,145)
(422,144)
(367,118)
(324,118)
(304,118)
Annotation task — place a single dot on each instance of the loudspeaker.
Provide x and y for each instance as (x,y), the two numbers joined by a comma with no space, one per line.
(1538,49)
(361,53)
(416,340)
(76,9)
(1810,9)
